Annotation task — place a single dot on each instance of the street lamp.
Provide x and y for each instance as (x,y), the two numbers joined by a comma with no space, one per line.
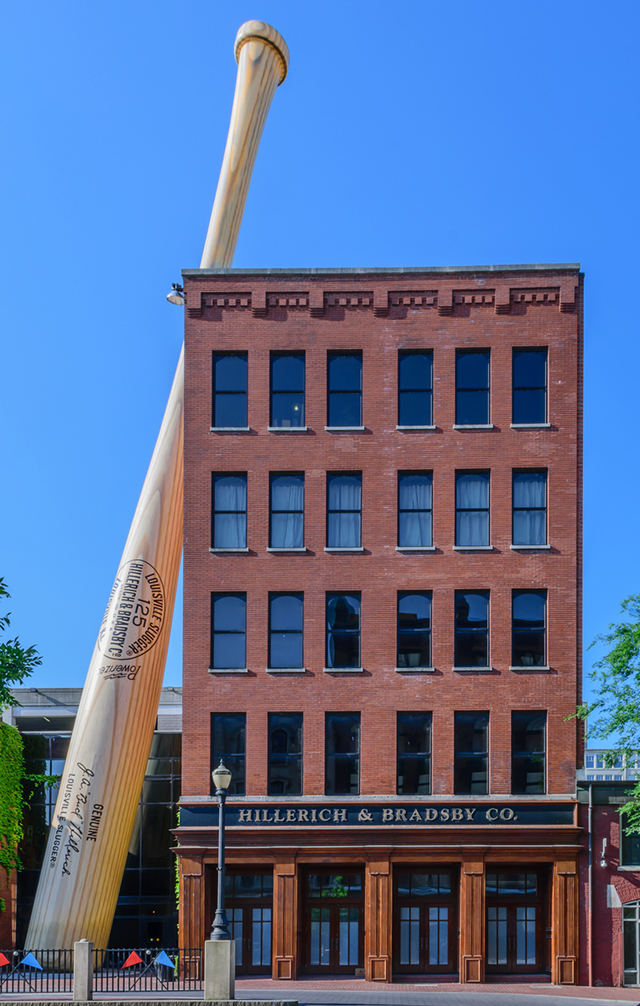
(221,779)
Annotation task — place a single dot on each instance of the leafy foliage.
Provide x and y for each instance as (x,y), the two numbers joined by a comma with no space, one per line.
(11,796)
(614,715)
(16,661)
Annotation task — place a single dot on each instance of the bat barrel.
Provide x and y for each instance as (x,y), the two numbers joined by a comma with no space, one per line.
(263,61)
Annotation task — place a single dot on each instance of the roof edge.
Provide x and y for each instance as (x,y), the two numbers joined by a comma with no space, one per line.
(391,271)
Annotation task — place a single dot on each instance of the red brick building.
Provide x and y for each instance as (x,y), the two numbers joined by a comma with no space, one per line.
(382,623)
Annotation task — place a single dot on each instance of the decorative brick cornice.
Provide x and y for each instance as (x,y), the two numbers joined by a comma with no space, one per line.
(447,298)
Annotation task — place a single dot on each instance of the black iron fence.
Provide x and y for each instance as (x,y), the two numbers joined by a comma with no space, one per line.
(123,970)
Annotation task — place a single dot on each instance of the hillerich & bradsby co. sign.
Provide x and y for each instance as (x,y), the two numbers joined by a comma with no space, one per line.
(356,815)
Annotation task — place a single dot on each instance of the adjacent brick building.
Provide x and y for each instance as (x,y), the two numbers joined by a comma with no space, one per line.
(382,576)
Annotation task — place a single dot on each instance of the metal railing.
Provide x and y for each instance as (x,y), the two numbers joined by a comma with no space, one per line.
(123,970)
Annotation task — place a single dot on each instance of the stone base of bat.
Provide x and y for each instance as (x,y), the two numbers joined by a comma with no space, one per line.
(219,970)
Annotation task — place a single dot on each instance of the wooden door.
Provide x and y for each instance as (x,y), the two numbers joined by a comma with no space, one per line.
(249,908)
(333,923)
(425,919)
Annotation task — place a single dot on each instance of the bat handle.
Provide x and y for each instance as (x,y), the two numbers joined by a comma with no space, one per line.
(263,61)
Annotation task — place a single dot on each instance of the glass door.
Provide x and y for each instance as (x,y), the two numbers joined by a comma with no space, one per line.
(425,919)
(630,925)
(514,929)
(249,908)
(333,923)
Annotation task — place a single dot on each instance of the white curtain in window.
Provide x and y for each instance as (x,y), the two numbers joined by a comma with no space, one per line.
(414,529)
(345,494)
(287,495)
(415,493)
(472,491)
(230,529)
(529,526)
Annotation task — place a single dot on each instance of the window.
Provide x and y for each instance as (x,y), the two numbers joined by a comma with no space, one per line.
(229,511)
(228,745)
(342,754)
(415,389)
(472,509)
(471,744)
(414,629)
(530,508)
(528,731)
(285,754)
(230,390)
(415,509)
(343,630)
(287,390)
(344,396)
(629,847)
(228,638)
(472,628)
(590,761)
(344,509)
(528,632)
(285,630)
(414,753)
(287,510)
(472,387)
(529,386)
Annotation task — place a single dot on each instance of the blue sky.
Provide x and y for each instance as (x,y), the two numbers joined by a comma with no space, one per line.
(407,134)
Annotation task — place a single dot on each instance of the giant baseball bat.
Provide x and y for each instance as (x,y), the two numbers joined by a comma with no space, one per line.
(103,774)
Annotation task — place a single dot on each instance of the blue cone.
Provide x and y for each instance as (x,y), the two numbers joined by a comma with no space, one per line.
(30,962)
(162,958)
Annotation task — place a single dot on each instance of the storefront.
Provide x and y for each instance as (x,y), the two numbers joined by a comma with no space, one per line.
(468,890)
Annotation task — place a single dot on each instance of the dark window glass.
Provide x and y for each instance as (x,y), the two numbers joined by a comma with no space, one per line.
(287,510)
(415,385)
(472,508)
(228,637)
(423,885)
(415,509)
(342,753)
(630,848)
(529,628)
(228,739)
(414,629)
(529,385)
(530,508)
(329,885)
(472,628)
(528,752)
(285,754)
(287,390)
(344,389)
(230,389)
(472,387)
(414,753)
(471,745)
(343,630)
(285,630)
(505,884)
(344,509)
(229,511)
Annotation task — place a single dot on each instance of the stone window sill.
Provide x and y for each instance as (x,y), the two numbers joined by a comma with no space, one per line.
(415,670)
(229,550)
(415,548)
(345,548)
(287,429)
(416,428)
(529,669)
(344,429)
(472,670)
(303,549)
(472,548)
(286,670)
(343,670)
(530,426)
(528,548)
(230,429)
(228,670)
(477,426)
(629,869)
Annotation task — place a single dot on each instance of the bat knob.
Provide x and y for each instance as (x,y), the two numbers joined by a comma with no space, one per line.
(252,30)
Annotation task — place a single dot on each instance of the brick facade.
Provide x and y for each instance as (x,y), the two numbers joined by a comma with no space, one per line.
(380,313)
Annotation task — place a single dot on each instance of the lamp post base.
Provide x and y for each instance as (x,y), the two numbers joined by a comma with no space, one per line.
(219,969)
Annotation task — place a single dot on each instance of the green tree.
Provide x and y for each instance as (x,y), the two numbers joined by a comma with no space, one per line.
(614,714)
(16,661)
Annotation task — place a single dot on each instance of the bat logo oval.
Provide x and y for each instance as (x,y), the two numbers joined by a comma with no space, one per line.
(133,621)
